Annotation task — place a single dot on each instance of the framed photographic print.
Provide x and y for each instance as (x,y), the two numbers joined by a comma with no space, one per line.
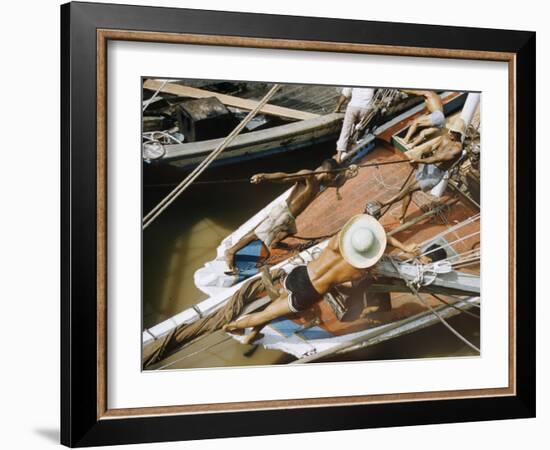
(276,224)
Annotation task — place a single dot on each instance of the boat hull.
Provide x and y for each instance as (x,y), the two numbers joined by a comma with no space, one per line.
(256,144)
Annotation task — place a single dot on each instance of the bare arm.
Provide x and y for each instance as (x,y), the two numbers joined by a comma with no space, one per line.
(413,92)
(410,248)
(448,153)
(417,152)
(281,177)
(341,100)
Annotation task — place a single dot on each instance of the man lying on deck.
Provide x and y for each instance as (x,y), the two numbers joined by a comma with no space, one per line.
(430,122)
(281,220)
(446,150)
(346,258)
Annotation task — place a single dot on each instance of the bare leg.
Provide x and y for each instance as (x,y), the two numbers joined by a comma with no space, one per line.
(424,134)
(421,122)
(409,187)
(278,238)
(404,206)
(258,320)
(242,242)
(253,335)
(411,131)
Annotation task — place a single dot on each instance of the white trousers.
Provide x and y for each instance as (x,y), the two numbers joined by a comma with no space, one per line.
(353,116)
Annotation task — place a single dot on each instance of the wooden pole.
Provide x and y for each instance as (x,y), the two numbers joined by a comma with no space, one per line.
(167,201)
(229,100)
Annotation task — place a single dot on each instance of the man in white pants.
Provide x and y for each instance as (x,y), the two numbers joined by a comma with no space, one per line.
(359,105)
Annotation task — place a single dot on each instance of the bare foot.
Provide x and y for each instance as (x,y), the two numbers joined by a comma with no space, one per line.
(252,336)
(232,328)
(230,260)
(368,310)
(424,260)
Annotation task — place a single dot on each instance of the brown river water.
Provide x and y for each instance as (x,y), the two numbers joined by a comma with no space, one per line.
(187,234)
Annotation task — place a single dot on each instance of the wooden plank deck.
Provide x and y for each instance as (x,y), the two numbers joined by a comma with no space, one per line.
(327,214)
(229,100)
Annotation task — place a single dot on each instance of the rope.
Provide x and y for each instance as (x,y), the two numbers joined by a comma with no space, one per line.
(451,230)
(447,245)
(148,102)
(433,311)
(458,308)
(189,355)
(388,206)
(169,199)
(247,180)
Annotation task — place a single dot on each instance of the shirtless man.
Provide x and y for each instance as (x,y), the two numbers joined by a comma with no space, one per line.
(445,149)
(430,122)
(346,258)
(281,220)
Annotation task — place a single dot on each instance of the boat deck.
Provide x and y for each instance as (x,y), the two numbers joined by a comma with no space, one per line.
(327,215)
(309,98)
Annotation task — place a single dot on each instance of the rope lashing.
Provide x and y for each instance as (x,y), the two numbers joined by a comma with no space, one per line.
(413,289)
(169,199)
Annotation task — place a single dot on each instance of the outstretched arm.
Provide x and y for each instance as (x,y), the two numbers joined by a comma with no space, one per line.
(417,152)
(412,248)
(413,91)
(281,177)
(341,100)
(446,154)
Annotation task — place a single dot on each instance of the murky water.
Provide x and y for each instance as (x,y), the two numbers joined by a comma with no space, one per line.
(187,234)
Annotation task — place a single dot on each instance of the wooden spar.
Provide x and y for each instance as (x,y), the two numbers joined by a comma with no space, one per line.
(415,220)
(376,333)
(228,100)
(462,194)
(166,201)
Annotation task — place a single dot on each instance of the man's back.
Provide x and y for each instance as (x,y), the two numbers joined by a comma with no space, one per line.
(360,97)
(449,146)
(331,269)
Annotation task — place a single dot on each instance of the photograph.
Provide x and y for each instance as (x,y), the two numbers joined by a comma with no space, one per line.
(305,223)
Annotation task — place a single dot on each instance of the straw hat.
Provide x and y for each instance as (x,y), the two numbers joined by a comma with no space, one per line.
(457,125)
(362,241)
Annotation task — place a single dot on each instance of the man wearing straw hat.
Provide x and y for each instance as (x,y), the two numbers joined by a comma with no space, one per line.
(433,171)
(347,257)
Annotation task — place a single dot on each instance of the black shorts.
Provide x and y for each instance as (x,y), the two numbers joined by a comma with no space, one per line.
(301,293)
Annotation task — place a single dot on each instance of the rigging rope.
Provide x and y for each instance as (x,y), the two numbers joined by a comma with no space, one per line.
(432,310)
(247,180)
(459,225)
(446,245)
(167,201)
(189,355)
(148,102)
(465,311)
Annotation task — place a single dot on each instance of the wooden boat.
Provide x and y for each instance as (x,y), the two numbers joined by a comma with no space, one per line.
(313,123)
(452,223)
(211,279)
